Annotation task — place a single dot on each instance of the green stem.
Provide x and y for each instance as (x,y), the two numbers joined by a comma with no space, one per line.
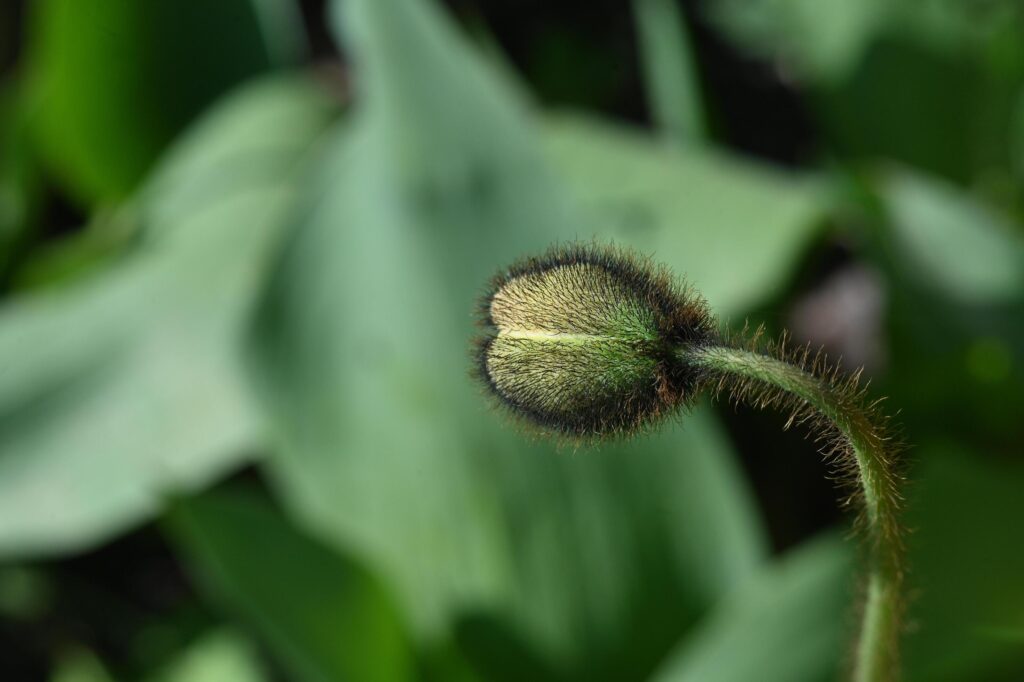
(876,656)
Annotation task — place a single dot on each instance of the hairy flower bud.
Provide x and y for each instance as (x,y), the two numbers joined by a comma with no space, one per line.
(583,341)
(587,342)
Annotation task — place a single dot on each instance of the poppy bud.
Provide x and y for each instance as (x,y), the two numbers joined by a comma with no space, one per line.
(583,341)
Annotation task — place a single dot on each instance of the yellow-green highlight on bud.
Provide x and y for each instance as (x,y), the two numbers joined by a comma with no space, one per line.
(583,341)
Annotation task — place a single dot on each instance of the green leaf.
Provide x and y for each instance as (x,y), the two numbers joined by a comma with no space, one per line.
(384,449)
(101,242)
(20,174)
(822,38)
(965,570)
(221,656)
(25,593)
(789,624)
(960,61)
(1016,137)
(825,40)
(669,72)
(970,107)
(707,215)
(952,243)
(80,666)
(125,388)
(117,80)
(955,303)
(323,615)
(250,139)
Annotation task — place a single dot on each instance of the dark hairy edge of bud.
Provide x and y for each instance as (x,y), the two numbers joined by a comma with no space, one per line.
(681,317)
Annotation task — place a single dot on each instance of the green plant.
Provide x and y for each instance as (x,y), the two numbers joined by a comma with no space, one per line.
(236,442)
(589,342)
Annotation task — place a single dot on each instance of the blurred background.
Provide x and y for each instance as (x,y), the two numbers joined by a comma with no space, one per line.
(240,245)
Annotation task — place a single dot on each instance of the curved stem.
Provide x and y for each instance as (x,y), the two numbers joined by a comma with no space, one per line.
(876,656)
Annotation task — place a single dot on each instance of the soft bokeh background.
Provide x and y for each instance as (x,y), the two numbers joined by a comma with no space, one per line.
(240,243)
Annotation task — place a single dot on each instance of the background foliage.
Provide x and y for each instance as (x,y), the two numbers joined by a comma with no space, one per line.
(240,244)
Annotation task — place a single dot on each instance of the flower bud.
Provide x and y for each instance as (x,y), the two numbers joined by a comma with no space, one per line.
(583,341)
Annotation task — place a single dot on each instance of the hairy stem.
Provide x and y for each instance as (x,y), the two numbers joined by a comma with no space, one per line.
(755,375)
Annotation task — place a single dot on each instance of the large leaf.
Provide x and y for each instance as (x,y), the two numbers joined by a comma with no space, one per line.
(323,615)
(734,229)
(790,624)
(252,138)
(603,540)
(125,388)
(116,80)
(385,451)
(952,243)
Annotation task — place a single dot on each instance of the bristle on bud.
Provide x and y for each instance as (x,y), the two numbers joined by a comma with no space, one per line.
(581,341)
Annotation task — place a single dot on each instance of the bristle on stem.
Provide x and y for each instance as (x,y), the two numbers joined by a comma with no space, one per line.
(856,441)
(592,342)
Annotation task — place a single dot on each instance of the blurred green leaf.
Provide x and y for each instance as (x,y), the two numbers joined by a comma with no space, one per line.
(707,215)
(940,75)
(217,657)
(965,567)
(384,448)
(789,624)
(952,243)
(323,615)
(823,38)
(125,388)
(20,175)
(1016,137)
(955,301)
(670,76)
(968,108)
(106,237)
(116,80)
(220,656)
(603,541)
(25,592)
(250,139)
(80,666)
(578,553)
